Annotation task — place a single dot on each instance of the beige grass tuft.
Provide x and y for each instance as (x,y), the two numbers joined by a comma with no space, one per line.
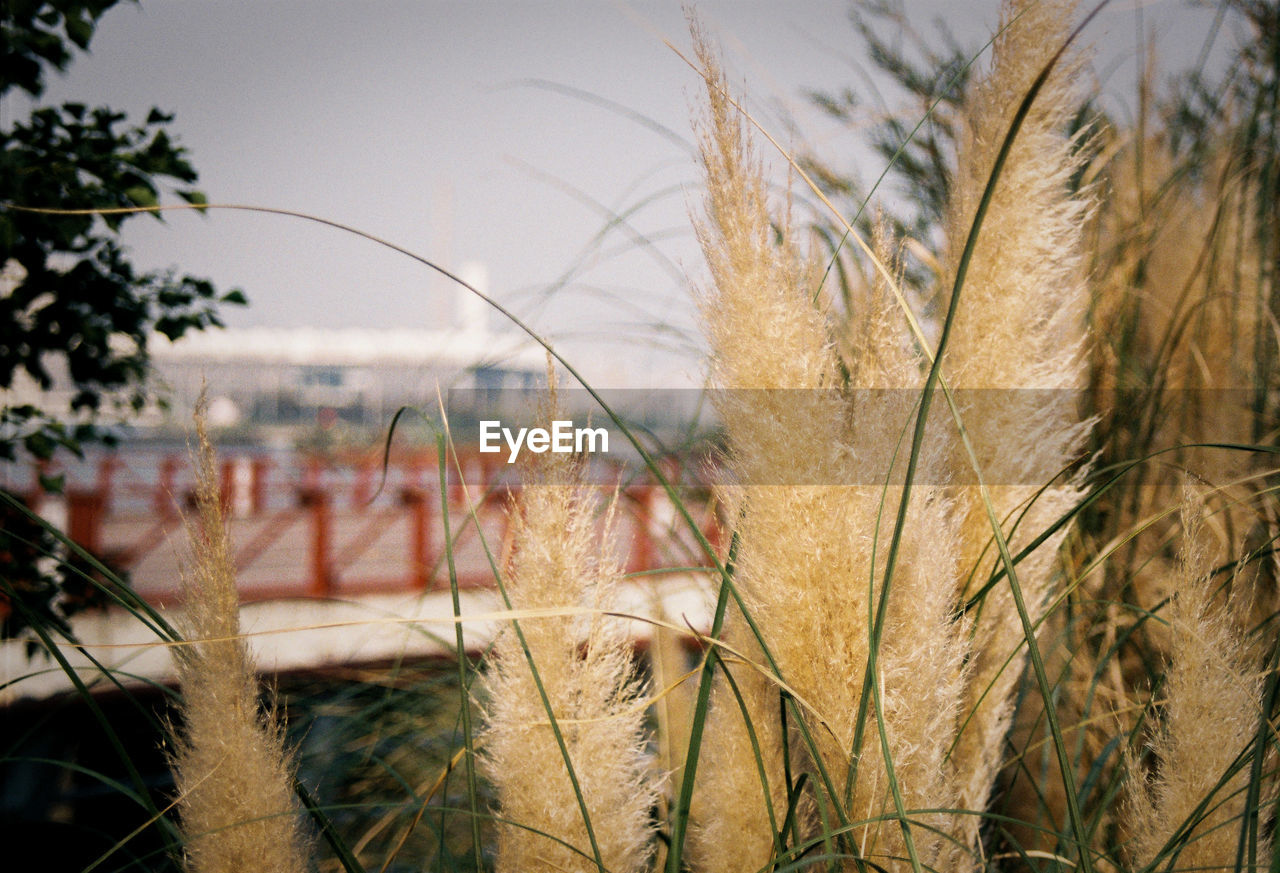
(586,667)
(812,548)
(811,559)
(1191,807)
(1020,325)
(765,336)
(233,773)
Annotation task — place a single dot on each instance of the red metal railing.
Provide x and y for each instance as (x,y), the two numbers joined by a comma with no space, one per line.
(313,526)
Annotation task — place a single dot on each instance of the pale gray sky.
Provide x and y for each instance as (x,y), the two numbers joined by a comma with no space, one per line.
(416,121)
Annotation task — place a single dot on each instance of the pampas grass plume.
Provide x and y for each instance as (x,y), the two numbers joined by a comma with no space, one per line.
(1193,807)
(586,668)
(1020,325)
(812,552)
(233,773)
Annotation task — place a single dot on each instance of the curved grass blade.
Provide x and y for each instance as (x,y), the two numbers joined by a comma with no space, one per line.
(463,662)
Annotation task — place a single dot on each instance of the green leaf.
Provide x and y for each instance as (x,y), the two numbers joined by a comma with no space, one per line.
(171,328)
(40,445)
(236,297)
(53,484)
(80,29)
(196,198)
(141,195)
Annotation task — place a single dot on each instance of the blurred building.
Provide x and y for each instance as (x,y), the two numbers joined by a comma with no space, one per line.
(268,377)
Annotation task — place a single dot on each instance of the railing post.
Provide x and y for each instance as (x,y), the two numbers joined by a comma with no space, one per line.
(37,494)
(321,583)
(491,468)
(107,467)
(362,488)
(163,499)
(313,472)
(84,519)
(258,484)
(456,476)
(421,561)
(227,486)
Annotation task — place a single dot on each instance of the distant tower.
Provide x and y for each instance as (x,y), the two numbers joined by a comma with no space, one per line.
(473,313)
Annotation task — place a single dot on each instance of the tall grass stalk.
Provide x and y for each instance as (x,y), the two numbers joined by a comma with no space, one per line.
(464,709)
(1021,326)
(811,554)
(232,772)
(562,741)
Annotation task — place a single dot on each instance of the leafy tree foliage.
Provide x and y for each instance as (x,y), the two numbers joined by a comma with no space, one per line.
(930,75)
(72,306)
(914,144)
(71,299)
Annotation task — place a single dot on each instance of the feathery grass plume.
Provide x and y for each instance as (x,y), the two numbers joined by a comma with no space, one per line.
(233,773)
(812,551)
(764,335)
(585,667)
(1189,815)
(923,644)
(1181,298)
(1020,325)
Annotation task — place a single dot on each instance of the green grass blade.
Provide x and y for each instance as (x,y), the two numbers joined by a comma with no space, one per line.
(542,691)
(710,661)
(463,662)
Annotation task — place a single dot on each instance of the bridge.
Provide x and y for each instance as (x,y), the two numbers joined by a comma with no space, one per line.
(340,558)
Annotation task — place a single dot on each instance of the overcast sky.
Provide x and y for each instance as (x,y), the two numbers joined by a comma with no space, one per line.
(426,123)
